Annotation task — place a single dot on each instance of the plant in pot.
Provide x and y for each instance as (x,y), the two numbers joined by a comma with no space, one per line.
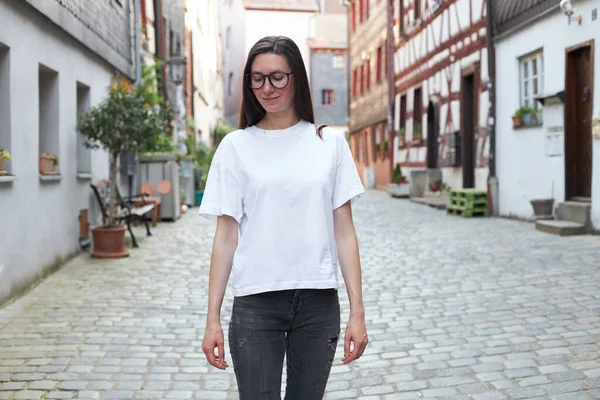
(48,164)
(4,155)
(399,187)
(128,120)
(524,116)
(436,185)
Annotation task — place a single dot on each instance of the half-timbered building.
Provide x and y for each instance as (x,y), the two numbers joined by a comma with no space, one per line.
(441,96)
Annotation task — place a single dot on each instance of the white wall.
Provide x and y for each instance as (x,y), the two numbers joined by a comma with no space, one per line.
(295,25)
(233,16)
(208,100)
(40,220)
(525,170)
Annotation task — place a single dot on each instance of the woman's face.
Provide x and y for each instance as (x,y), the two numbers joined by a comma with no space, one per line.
(277,94)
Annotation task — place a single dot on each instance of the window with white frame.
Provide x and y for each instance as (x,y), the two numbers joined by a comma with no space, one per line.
(339,61)
(532,79)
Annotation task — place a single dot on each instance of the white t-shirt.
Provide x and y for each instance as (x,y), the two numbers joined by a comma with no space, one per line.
(282,187)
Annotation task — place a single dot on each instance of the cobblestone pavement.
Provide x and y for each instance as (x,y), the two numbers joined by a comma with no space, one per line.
(456,308)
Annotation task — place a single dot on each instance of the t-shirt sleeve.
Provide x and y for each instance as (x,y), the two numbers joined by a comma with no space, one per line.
(223,191)
(348,185)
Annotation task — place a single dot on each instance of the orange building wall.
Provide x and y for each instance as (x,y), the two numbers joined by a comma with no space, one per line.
(363,146)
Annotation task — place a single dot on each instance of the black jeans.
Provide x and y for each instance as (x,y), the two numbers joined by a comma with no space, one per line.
(303,324)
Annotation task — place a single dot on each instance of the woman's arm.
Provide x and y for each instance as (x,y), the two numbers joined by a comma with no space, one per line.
(348,254)
(224,245)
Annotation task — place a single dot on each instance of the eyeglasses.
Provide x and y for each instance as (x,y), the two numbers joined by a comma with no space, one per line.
(278,80)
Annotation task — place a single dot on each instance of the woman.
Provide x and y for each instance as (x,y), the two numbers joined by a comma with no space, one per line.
(280,189)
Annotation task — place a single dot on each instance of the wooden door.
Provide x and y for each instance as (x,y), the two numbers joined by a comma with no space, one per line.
(578,123)
(468,118)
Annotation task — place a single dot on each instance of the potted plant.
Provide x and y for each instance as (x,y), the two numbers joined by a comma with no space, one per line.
(4,155)
(524,116)
(48,164)
(436,185)
(399,187)
(129,119)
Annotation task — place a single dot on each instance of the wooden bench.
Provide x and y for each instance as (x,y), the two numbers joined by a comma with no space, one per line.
(127,212)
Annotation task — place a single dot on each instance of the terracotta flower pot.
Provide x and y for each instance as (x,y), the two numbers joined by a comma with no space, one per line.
(109,242)
(47,165)
(2,171)
(517,121)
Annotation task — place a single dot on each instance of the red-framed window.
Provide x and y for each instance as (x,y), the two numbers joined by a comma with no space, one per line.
(362,78)
(368,74)
(354,82)
(361,10)
(379,63)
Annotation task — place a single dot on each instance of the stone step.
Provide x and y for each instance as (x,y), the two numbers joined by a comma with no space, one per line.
(562,228)
(575,211)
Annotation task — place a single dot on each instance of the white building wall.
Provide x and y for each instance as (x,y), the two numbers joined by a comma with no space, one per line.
(295,25)
(208,79)
(233,41)
(40,219)
(526,169)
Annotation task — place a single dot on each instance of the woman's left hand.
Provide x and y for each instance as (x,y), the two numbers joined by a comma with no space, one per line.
(356,334)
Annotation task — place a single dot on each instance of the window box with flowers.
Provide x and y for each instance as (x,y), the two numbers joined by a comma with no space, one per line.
(4,155)
(401,137)
(48,164)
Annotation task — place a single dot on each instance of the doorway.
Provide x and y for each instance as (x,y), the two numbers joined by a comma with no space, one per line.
(433,131)
(468,117)
(579,88)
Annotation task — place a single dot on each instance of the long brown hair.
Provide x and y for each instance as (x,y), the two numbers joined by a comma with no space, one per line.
(251,111)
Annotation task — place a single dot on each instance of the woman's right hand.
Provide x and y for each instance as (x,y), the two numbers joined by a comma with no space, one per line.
(213,338)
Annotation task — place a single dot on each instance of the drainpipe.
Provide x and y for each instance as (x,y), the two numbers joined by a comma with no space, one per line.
(390,80)
(491,53)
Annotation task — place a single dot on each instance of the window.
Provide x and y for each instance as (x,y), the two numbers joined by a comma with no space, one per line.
(328,97)
(84,155)
(417,10)
(353,16)
(362,78)
(379,63)
(354,81)
(368,74)
(402,115)
(339,61)
(230,84)
(417,113)
(361,11)
(367,9)
(532,74)
(5,136)
(49,106)
(401,15)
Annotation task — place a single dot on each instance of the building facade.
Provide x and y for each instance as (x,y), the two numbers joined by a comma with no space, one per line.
(441,94)
(368,94)
(244,22)
(55,62)
(204,80)
(328,66)
(546,61)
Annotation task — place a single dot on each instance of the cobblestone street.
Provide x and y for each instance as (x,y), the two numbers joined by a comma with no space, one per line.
(456,308)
